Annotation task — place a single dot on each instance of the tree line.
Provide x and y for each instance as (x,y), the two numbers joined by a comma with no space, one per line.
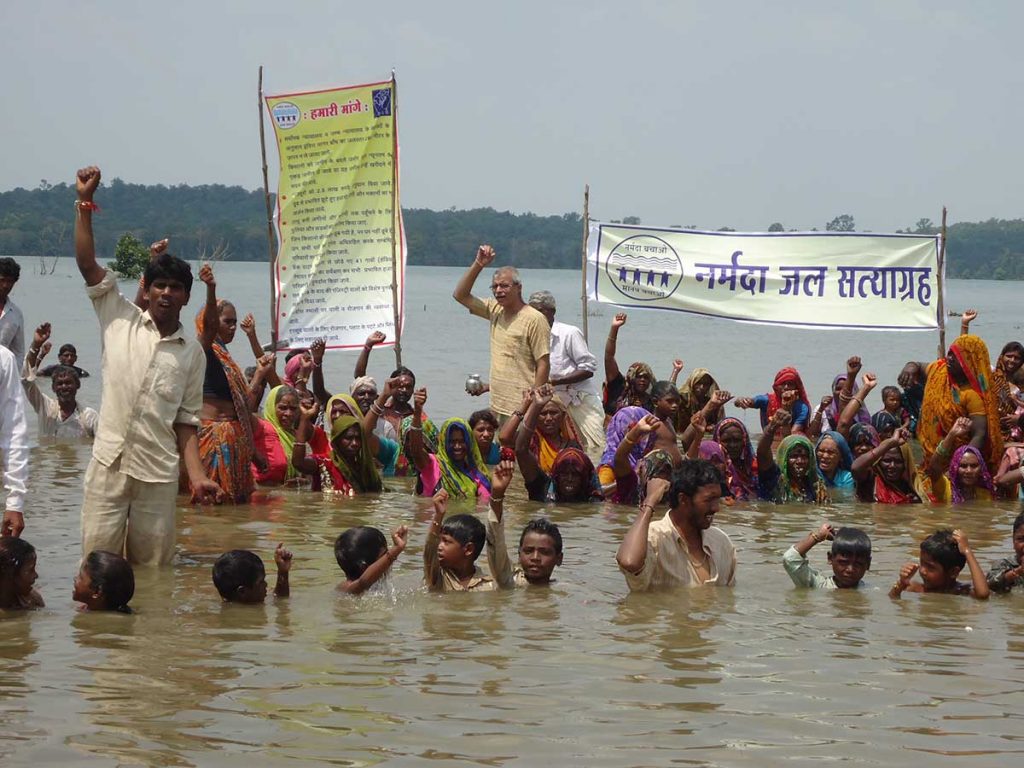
(214,221)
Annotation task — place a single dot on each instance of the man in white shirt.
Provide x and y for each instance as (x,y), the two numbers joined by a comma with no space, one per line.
(62,417)
(13,444)
(572,375)
(682,549)
(12,323)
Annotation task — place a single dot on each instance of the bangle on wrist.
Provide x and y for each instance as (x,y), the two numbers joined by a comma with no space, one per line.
(86,205)
(497,498)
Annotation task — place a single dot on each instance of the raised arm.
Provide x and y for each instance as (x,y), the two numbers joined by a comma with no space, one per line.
(248,326)
(646,425)
(211,317)
(632,552)
(677,367)
(765,455)
(611,368)
(850,410)
(463,292)
(965,321)
(694,434)
(303,433)
(815,424)
(431,563)
(528,464)
(375,338)
(862,465)
(375,411)
(375,571)
(853,366)
(509,430)
(979,583)
(264,369)
(417,448)
(85,246)
(939,461)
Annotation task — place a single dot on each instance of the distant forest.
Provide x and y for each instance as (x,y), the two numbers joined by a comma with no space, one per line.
(229,223)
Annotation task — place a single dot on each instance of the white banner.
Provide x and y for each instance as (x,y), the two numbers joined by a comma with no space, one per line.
(804,279)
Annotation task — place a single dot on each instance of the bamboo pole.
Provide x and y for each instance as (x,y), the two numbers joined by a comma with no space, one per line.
(270,221)
(395,217)
(586,237)
(941,281)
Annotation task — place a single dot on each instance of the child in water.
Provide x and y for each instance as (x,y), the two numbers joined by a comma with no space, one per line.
(105,582)
(451,551)
(240,577)
(363,554)
(540,545)
(850,559)
(1009,572)
(17,575)
(943,556)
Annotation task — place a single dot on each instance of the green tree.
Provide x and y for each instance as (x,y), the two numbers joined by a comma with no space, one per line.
(634,220)
(130,257)
(776,227)
(843,223)
(925,227)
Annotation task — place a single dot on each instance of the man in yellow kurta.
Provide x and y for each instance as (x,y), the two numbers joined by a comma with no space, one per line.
(520,335)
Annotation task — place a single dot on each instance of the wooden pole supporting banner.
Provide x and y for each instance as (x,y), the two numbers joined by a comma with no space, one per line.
(396,215)
(270,220)
(941,281)
(586,237)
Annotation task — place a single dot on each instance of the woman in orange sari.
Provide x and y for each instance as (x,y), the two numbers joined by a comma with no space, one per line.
(547,428)
(961,384)
(226,445)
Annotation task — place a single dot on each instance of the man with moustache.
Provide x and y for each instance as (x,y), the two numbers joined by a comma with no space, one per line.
(682,549)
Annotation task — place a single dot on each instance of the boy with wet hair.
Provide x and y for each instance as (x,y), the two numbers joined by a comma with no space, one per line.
(850,559)
(451,551)
(943,556)
(540,545)
(1009,572)
(240,577)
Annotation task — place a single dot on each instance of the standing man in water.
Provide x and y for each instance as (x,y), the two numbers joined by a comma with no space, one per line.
(152,397)
(520,336)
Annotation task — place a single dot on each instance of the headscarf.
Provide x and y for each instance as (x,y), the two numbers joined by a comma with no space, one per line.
(845,459)
(942,405)
(784,376)
(883,421)
(688,402)
(984,480)
(628,398)
(544,449)
(891,494)
(814,489)
(573,458)
(652,464)
(618,426)
(362,476)
(461,481)
(292,368)
(857,433)
(361,381)
(711,451)
(741,478)
(833,412)
(287,438)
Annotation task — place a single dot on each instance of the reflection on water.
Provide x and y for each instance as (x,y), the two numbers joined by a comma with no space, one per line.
(579,674)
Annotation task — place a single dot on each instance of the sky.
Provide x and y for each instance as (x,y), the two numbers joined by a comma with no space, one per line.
(711,114)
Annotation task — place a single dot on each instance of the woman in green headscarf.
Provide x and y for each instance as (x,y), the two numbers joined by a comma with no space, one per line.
(792,474)
(456,465)
(350,468)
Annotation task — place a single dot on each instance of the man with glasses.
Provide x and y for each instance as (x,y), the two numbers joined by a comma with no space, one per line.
(520,335)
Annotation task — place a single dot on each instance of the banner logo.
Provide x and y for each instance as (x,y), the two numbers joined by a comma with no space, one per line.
(286,115)
(644,268)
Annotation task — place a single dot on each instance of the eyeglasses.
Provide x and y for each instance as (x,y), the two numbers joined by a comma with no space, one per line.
(502,286)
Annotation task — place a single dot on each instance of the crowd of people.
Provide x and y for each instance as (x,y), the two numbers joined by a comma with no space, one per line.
(180,415)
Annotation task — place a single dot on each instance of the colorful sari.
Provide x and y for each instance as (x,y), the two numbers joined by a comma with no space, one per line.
(342,476)
(467,480)
(545,450)
(627,397)
(813,489)
(741,477)
(901,493)
(945,401)
(656,463)
(285,438)
(618,427)
(226,446)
